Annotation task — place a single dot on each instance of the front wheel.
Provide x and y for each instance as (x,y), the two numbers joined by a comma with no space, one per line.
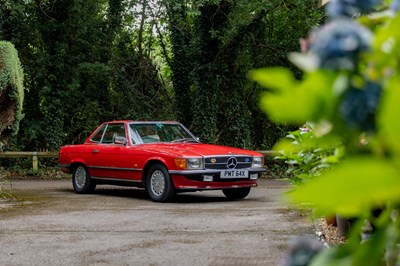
(159,184)
(236,193)
(81,180)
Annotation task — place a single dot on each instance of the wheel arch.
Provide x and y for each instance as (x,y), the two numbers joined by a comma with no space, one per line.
(75,164)
(147,167)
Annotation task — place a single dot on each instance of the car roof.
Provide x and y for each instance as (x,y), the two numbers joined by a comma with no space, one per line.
(141,122)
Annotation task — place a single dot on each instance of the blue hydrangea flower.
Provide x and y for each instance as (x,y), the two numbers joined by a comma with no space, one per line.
(395,5)
(339,44)
(359,106)
(301,252)
(349,8)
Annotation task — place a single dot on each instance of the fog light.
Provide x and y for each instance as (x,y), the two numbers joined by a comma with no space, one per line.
(208,178)
(254,176)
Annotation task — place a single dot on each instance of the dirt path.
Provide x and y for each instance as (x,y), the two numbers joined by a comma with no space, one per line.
(121,226)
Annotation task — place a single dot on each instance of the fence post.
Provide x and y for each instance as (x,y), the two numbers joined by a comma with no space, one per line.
(35,162)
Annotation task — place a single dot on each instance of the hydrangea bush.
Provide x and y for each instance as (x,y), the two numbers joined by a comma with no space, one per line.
(350,8)
(350,92)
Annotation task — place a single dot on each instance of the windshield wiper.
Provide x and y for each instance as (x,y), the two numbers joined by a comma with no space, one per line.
(185,140)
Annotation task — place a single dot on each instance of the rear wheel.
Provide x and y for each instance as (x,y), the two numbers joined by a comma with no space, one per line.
(81,180)
(236,193)
(159,184)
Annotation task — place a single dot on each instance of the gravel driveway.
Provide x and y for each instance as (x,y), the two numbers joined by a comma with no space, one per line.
(121,226)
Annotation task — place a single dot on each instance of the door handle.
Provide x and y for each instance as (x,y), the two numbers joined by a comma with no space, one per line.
(95,151)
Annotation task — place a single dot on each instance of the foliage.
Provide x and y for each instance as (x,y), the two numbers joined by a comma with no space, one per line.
(82,68)
(90,61)
(215,44)
(22,169)
(349,90)
(306,157)
(11,91)
(181,35)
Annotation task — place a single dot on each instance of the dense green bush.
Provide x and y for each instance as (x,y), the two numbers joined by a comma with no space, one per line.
(11,91)
(305,157)
(86,62)
(350,91)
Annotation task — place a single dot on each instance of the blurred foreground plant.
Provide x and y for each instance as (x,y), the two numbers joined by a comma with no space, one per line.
(350,92)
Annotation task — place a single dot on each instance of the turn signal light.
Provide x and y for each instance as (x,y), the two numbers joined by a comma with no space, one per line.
(180,163)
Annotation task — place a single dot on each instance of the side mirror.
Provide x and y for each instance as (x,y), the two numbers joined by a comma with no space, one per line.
(120,140)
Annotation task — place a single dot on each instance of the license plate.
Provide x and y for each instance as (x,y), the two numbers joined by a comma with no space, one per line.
(234,173)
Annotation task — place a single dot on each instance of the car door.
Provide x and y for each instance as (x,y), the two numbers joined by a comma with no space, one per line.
(111,160)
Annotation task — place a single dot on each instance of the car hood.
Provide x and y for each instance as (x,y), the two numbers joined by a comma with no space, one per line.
(193,149)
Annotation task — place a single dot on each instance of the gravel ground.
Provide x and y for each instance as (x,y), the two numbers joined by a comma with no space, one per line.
(329,233)
(120,226)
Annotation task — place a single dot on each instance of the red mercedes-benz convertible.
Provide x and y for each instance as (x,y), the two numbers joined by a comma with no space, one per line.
(163,157)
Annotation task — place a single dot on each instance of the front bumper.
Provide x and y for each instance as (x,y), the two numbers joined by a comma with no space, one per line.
(210,179)
(212,171)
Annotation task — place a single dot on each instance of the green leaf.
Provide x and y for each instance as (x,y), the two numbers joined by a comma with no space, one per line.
(388,117)
(352,187)
(277,78)
(297,102)
(287,147)
(289,108)
(332,257)
(386,49)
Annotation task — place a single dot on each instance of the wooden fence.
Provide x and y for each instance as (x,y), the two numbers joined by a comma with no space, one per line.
(50,154)
(32,154)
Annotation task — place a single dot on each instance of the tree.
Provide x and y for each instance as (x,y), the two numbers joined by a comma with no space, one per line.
(90,61)
(83,66)
(227,39)
(181,35)
(57,38)
(11,91)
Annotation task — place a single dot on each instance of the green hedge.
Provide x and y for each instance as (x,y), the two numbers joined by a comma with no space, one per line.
(11,91)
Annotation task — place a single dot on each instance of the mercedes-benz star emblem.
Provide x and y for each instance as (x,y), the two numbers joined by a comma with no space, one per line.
(232,162)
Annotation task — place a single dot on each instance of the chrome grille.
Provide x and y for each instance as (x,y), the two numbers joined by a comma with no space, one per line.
(221,162)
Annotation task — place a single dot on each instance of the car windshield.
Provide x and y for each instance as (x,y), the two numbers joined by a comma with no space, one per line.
(160,132)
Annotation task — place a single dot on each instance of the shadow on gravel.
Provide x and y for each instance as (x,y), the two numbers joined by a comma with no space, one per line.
(141,194)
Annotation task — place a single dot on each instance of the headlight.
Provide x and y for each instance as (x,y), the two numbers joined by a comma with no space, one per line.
(194,163)
(258,162)
(189,163)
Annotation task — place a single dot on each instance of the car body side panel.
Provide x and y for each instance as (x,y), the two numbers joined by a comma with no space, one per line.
(73,154)
(113,161)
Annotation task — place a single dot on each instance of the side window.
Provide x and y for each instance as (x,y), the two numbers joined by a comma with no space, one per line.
(113,130)
(99,133)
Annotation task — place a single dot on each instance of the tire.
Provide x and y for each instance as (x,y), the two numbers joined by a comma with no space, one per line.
(159,185)
(81,180)
(236,193)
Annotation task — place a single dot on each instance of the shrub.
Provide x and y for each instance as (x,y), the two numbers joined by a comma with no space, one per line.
(11,91)
(350,92)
